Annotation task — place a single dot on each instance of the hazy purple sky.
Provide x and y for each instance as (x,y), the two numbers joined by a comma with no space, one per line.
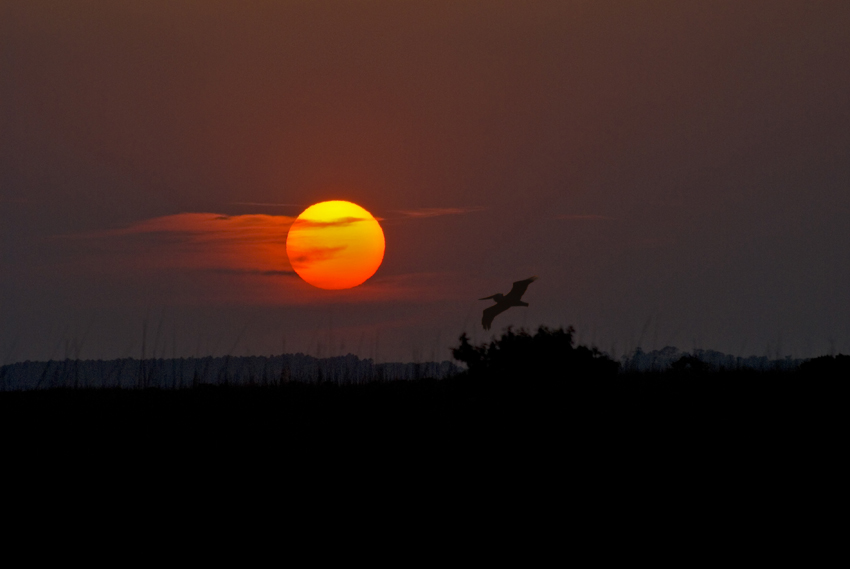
(675,172)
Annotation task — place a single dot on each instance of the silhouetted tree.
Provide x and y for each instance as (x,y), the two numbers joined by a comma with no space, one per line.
(547,356)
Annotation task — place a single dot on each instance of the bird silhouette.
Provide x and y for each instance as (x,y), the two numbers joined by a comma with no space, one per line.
(505,301)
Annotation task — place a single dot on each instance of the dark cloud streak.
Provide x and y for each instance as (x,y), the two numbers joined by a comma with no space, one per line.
(317,254)
(341,222)
(438,211)
(281,273)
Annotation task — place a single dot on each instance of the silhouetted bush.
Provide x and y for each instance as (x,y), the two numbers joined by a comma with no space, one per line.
(547,356)
(827,366)
(689,364)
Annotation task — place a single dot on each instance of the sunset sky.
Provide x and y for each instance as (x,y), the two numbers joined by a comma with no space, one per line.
(675,172)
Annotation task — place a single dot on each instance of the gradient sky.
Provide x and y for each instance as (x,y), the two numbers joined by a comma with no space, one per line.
(675,172)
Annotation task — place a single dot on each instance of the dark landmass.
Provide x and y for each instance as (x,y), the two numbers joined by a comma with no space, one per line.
(537,433)
(537,394)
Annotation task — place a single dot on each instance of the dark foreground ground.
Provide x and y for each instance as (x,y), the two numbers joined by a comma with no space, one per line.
(568,457)
(643,416)
(539,437)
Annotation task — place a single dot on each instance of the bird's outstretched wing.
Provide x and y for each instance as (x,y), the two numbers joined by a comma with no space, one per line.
(491,312)
(519,289)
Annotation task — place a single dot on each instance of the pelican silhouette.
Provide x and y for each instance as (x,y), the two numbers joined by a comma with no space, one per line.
(505,301)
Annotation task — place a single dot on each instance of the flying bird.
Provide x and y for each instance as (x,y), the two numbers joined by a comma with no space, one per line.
(505,301)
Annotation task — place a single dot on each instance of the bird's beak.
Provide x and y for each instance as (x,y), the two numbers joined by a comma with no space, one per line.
(486,297)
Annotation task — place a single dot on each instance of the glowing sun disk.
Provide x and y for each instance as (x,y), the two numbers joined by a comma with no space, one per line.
(335,245)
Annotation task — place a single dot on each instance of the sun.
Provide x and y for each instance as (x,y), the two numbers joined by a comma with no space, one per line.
(335,245)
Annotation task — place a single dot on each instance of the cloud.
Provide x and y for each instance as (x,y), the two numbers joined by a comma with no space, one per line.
(438,211)
(241,244)
(317,254)
(586,217)
(340,222)
(208,224)
(266,204)
(256,272)
(210,258)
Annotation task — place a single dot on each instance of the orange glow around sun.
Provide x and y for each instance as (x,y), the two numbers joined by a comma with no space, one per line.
(335,245)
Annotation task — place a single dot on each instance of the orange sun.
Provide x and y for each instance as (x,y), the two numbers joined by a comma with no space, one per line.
(335,244)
